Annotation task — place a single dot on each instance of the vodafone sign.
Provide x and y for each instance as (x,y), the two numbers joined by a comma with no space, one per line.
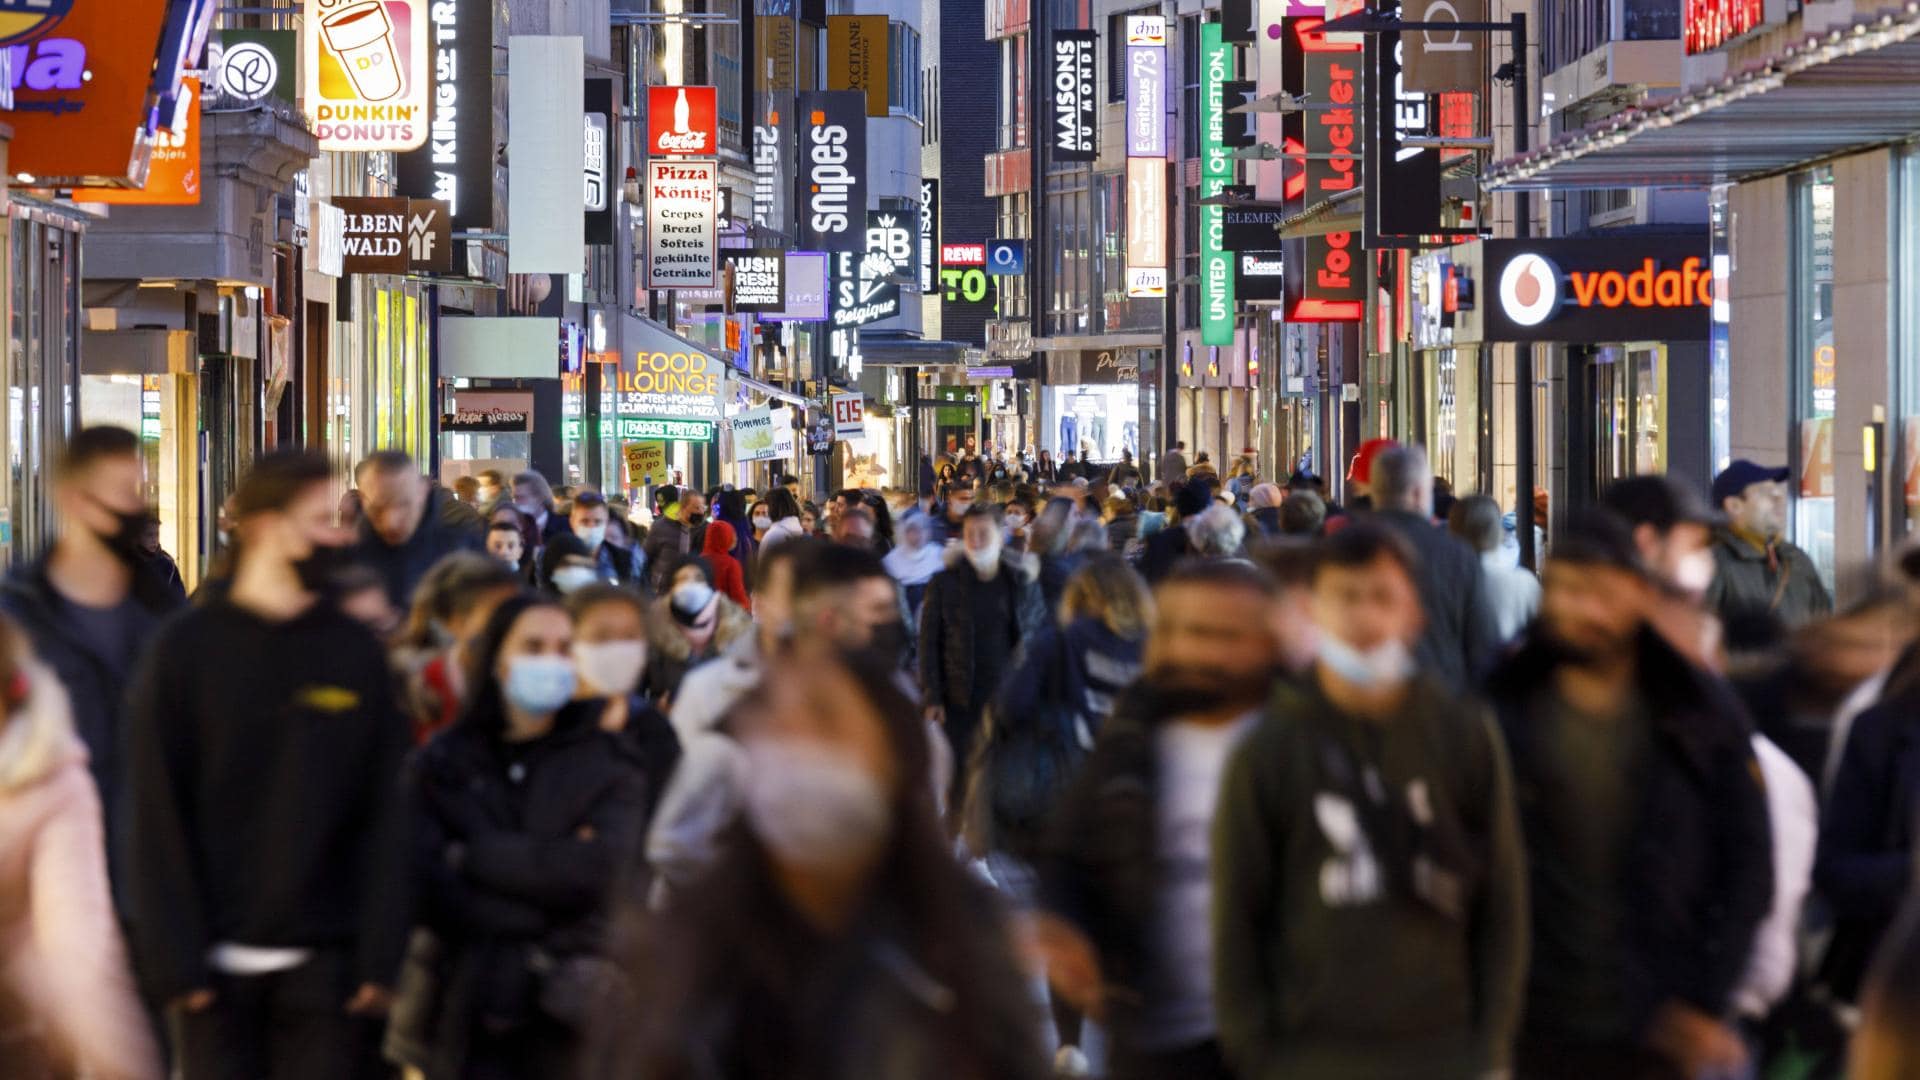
(1600,290)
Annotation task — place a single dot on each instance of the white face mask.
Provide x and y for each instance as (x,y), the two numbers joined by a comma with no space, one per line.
(813,805)
(539,684)
(984,561)
(762,521)
(1695,572)
(612,668)
(1382,667)
(593,537)
(571,579)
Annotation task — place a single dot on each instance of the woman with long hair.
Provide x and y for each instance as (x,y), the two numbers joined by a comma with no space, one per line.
(837,938)
(67,1002)
(527,816)
(784,510)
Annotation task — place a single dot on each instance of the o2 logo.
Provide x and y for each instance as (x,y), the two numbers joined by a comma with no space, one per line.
(21,20)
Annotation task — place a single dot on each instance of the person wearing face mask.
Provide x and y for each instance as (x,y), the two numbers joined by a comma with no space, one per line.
(566,566)
(613,562)
(92,603)
(1647,828)
(760,517)
(690,624)
(268,936)
(533,497)
(450,608)
(977,613)
(1124,872)
(610,653)
(835,938)
(526,814)
(916,560)
(1370,916)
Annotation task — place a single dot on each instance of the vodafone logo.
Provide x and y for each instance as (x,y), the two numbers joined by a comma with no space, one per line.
(1530,290)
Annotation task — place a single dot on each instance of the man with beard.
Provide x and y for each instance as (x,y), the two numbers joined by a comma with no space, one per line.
(1646,827)
(1369,892)
(1128,871)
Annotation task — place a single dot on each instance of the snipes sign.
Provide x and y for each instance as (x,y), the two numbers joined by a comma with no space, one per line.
(1630,289)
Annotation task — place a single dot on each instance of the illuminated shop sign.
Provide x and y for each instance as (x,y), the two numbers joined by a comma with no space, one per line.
(1658,288)
(756,279)
(682,121)
(833,170)
(1706,25)
(1146,205)
(1331,283)
(1073,95)
(1216,171)
(681,245)
(1146,86)
(21,20)
(456,164)
(929,233)
(81,77)
(368,78)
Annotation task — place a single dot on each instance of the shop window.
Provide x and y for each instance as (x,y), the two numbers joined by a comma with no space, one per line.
(1816,368)
(1906,352)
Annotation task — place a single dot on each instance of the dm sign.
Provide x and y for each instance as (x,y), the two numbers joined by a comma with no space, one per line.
(1648,288)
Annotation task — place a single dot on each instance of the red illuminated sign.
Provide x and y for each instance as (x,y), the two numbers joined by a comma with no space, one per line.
(682,121)
(1589,290)
(963,254)
(1331,286)
(1709,24)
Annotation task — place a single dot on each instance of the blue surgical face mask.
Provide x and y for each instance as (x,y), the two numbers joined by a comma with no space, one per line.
(593,537)
(539,684)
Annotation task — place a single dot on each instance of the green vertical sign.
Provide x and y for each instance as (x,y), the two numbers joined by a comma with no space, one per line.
(1216,172)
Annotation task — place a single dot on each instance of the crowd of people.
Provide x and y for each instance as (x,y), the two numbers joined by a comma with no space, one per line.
(1038,769)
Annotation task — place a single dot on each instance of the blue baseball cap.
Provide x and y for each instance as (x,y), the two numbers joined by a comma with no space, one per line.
(1742,474)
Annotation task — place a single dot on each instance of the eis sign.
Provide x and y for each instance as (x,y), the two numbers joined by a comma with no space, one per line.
(1650,288)
(368,82)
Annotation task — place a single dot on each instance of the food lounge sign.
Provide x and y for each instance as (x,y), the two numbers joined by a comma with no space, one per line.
(1588,291)
(671,384)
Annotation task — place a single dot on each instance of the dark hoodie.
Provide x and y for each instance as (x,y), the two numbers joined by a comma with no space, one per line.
(402,566)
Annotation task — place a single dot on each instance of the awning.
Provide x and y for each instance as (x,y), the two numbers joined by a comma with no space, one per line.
(877,351)
(1342,213)
(1832,94)
(1075,343)
(767,389)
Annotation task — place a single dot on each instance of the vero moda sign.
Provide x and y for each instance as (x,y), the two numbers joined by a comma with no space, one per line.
(833,171)
(1073,96)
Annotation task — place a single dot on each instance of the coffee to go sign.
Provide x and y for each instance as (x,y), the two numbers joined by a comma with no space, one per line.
(1599,290)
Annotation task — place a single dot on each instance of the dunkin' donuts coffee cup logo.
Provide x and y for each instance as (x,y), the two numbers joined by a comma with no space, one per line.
(367,79)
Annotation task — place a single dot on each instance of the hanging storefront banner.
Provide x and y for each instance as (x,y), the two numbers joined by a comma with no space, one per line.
(382,235)
(1406,194)
(774,73)
(1271,48)
(597,191)
(490,412)
(1216,171)
(849,416)
(866,287)
(756,279)
(1146,205)
(1440,60)
(1248,228)
(857,58)
(806,289)
(1330,283)
(1258,276)
(1640,288)
(82,90)
(368,77)
(173,172)
(252,67)
(833,171)
(681,199)
(456,164)
(683,121)
(892,233)
(670,378)
(763,434)
(1240,129)
(546,233)
(1237,21)
(1074,96)
(929,234)
(1146,86)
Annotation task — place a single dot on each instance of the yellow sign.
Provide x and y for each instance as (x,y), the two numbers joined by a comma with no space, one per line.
(857,57)
(367,75)
(646,461)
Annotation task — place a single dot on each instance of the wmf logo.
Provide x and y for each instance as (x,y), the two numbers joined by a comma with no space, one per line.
(24,19)
(421,237)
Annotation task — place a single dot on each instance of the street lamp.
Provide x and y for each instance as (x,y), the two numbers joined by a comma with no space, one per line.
(1514,72)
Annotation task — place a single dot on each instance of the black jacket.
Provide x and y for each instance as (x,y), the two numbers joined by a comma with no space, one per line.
(1699,874)
(514,872)
(1865,863)
(98,689)
(1460,640)
(404,565)
(1164,551)
(947,660)
(1101,868)
(666,541)
(264,762)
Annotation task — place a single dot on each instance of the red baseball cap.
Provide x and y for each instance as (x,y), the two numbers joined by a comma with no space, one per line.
(1361,471)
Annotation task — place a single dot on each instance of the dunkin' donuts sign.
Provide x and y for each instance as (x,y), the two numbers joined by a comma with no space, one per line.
(368,82)
(1648,288)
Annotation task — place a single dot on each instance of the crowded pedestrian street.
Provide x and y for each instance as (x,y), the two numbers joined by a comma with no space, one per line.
(959,540)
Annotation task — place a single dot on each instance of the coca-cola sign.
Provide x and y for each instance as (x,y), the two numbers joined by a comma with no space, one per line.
(682,121)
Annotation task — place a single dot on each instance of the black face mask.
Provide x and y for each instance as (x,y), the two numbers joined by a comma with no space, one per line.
(129,530)
(319,570)
(890,641)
